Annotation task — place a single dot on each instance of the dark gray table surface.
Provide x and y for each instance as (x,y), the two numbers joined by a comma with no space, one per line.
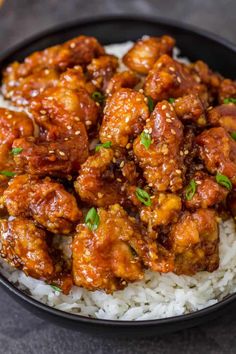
(20,331)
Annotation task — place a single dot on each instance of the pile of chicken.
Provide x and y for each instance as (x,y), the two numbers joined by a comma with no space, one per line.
(138,166)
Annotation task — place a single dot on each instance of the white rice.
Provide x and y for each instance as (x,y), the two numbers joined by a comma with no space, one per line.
(157,295)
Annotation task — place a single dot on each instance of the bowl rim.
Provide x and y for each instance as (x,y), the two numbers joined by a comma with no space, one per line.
(80,318)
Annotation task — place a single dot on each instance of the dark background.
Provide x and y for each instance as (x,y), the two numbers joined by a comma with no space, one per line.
(20,331)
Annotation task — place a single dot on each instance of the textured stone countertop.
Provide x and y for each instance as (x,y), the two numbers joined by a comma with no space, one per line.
(20,331)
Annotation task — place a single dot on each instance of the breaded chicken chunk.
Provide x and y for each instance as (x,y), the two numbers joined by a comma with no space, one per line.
(46,201)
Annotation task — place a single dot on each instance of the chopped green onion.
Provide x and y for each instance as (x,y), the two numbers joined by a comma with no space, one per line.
(92,219)
(223,181)
(171,100)
(143,196)
(7,173)
(151,104)
(146,139)
(190,190)
(233,135)
(98,96)
(16,151)
(230,100)
(55,288)
(105,145)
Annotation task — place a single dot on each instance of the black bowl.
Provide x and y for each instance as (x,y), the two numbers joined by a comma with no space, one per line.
(195,44)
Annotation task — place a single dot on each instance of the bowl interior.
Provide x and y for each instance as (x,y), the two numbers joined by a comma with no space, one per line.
(219,54)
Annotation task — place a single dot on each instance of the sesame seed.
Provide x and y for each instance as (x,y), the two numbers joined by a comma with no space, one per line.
(128,146)
(171,68)
(181,153)
(51,151)
(100,195)
(122,164)
(72,45)
(50,98)
(42,111)
(66,139)
(163,106)
(198,182)
(186,152)
(88,122)
(114,160)
(119,180)
(168,120)
(109,136)
(127,119)
(150,131)
(178,171)
(179,79)
(77,119)
(141,91)
(77,132)
(150,184)
(173,132)
(61,153)
(69,127)
(168,115)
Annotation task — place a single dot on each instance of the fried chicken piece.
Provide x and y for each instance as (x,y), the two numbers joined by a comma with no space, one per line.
(74,79)
(61,112)
(77,51)
(124,79)
(190,108)
(218,152)
(105,259)
(169,78)
(194,239)
(125,113)
(94,185)
(227,89)
(46,201)
(224,116)
(164,210)
(22,81)
(211,79)
(20,92)
(161,162)
(208,192)
(101,70)
(24,246)
(13,125)
(112,255)
(54,158)
(145,52)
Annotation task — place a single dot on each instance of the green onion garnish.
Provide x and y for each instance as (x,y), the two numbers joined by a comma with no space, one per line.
(92,219)
(223,181)
(98,96)
(171,100)
(151,104)
(143,196)
(190,190)
(105,145)
(233,135)
(55,288)
(146,139)
(7,173)
(230,100)
(16,151)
